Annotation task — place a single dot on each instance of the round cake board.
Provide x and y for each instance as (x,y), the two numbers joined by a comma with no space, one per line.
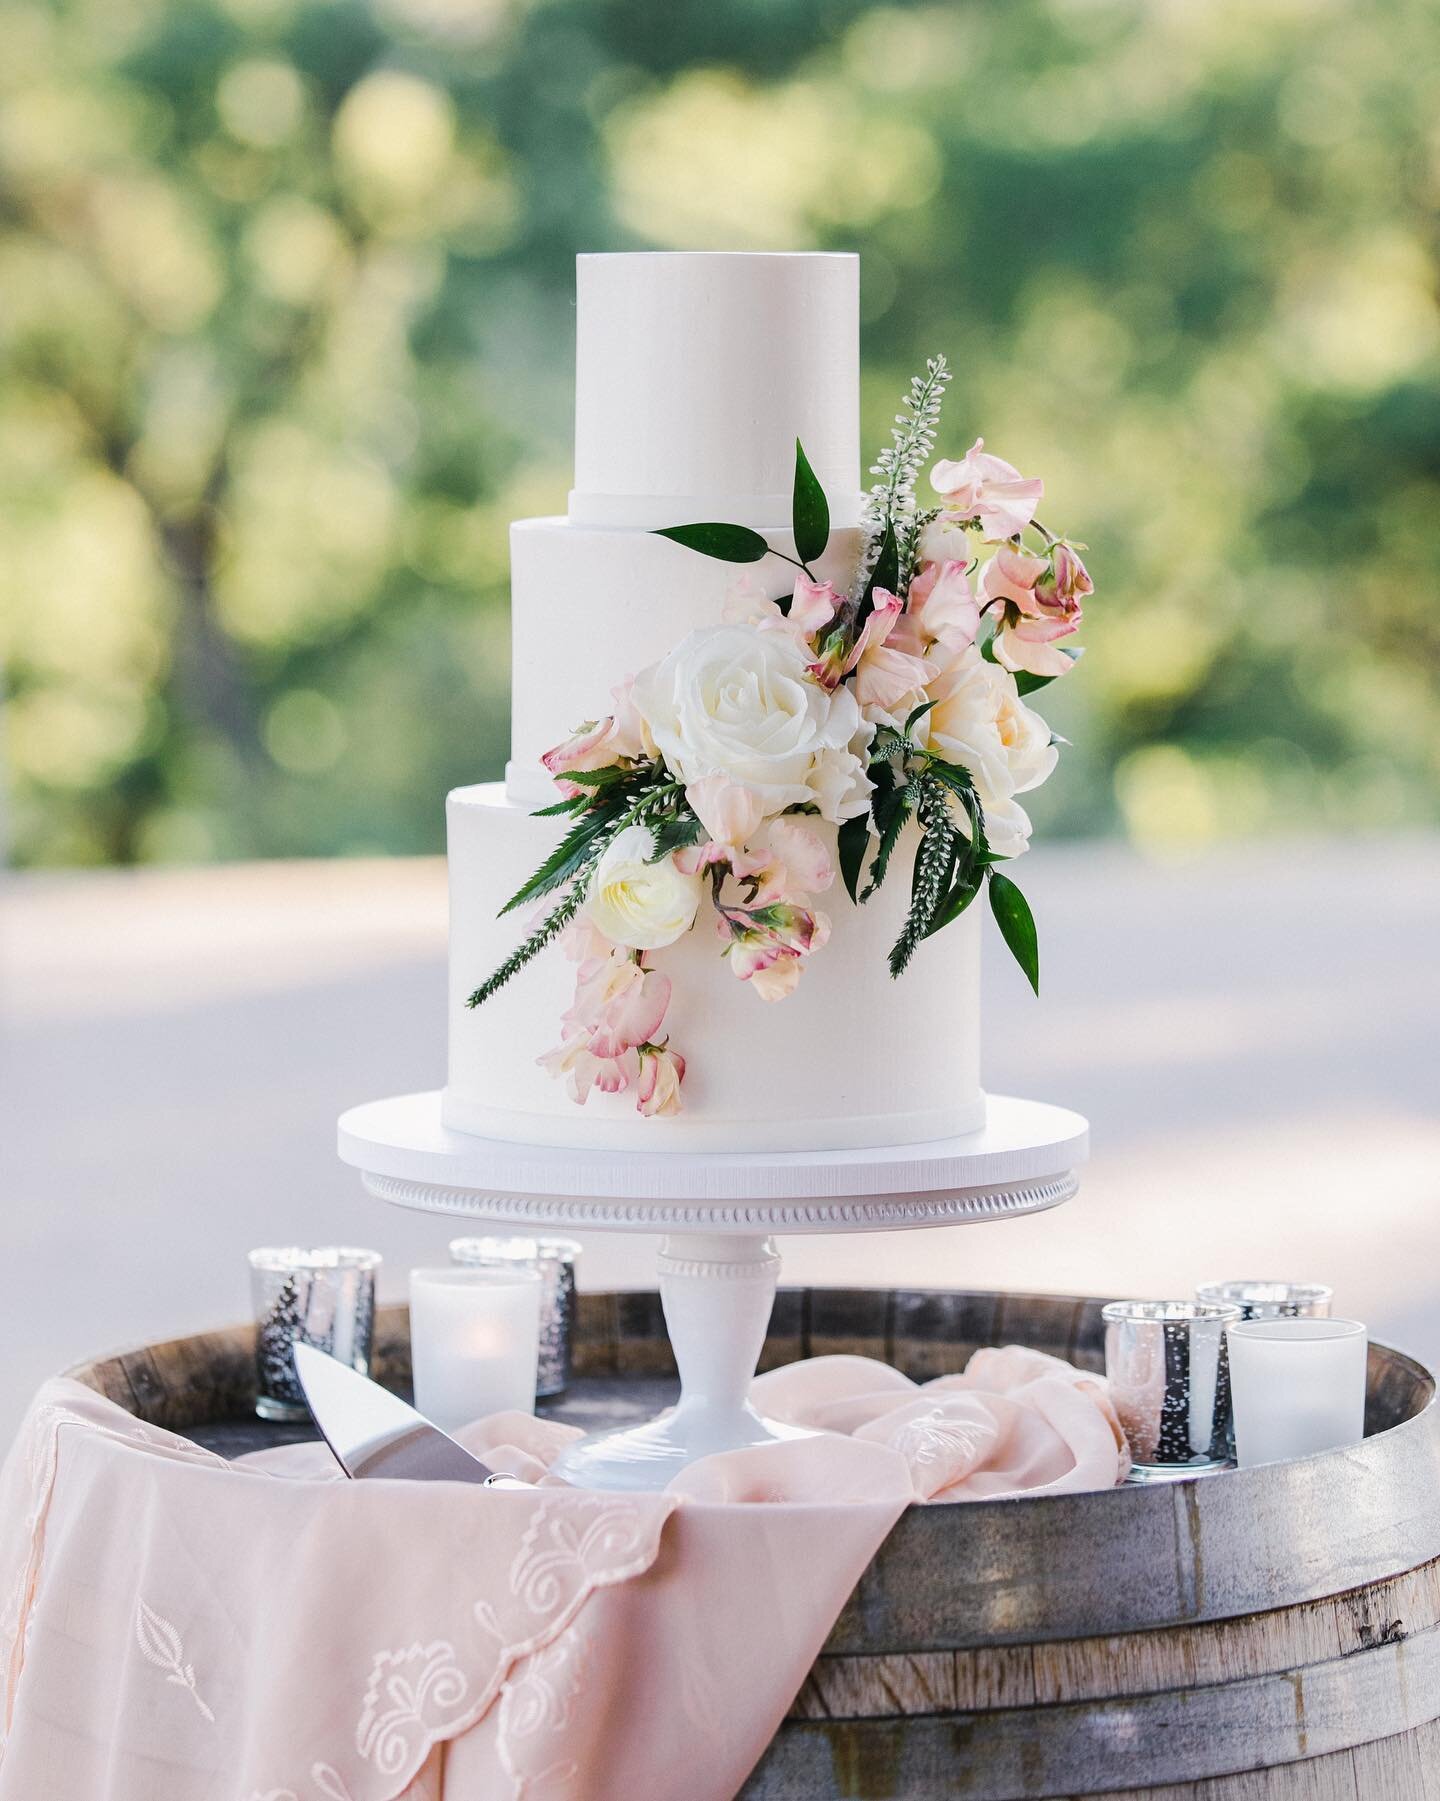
(719,1211)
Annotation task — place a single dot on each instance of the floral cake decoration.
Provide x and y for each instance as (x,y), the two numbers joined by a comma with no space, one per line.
(899,701)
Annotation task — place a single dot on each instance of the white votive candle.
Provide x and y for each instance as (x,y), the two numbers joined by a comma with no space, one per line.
(1297,1386)
(474,1342)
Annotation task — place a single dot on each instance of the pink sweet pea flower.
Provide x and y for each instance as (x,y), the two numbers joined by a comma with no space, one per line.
(661,1073)
(584,1070)
(621,736)
(1041,597)
(1011,575)
(941,609)
(729,811)
(633,1017)
(763,938)
(812,606)
(801,855)
(780,978)
(1066,583)
(989,489)
(885,674)
(1029,644)
(587,748)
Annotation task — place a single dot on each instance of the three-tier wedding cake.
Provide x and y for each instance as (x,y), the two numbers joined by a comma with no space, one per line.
(745,693)
(695,375)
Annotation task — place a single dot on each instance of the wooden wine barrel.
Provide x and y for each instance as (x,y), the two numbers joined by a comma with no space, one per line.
(1262,1635)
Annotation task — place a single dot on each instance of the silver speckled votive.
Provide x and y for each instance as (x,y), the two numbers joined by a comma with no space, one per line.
(324,1297)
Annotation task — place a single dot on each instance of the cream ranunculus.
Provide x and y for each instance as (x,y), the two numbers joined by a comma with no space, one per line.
(980,722)
(734,701)
(639,903)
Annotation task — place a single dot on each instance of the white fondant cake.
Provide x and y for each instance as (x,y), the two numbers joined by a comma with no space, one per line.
(695,375)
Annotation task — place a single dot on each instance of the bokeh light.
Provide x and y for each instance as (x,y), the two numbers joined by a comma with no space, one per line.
(286,339)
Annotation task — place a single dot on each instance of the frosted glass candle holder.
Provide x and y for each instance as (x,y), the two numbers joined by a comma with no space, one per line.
(474,1342)
(1299,1387)
(1271,1300)
(554,1258)
(1166,1366)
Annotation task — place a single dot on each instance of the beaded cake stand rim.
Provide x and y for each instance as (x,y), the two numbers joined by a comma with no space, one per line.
(1024,1161)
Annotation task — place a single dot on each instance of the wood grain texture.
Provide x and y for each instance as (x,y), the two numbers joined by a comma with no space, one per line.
(1229,1640)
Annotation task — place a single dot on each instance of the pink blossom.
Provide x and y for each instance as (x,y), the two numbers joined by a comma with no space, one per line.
(618,1008)
(621,736)
(729,811)
(1011,575)
(661,1073)
(1065,584)
(941,609)
(761,938)
(1041,604)
(779,979)
(813,605)
(630,736)
(583,1070)
(885,674)
(1029,644)
(633,1017)
(989,489)
(802,856)
(587,748)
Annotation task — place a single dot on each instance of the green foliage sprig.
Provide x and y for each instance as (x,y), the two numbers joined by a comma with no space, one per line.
(952,861)
(611,799)
(890,509)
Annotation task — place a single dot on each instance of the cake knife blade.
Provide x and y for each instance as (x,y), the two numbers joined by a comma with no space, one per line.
(374,1433)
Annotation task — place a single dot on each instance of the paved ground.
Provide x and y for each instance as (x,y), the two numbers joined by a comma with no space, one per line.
(1253,1036)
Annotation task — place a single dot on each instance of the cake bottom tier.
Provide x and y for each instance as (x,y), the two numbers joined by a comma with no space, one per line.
(851,1059)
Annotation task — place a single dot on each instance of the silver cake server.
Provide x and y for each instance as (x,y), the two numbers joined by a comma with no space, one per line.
(374,1433)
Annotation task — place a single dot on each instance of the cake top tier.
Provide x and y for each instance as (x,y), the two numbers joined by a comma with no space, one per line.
(695,373)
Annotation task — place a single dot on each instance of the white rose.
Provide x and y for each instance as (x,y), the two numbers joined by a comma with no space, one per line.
(981,723)
(734,701)
(639,903)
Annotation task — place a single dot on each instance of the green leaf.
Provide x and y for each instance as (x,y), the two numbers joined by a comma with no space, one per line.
(987,649)
(675,834)
(1027,683)
(957,780)
(853,840)
(919,713)
(1017,925)
(727,543)
(597,778)
(580,846)
(898,809)
(953,905)
(809,510)
(576,804)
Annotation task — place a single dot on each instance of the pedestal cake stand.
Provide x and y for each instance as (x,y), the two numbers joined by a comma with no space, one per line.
(719,1214)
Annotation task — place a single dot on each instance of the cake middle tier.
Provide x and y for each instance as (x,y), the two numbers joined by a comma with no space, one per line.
(591,605)
(851,1059)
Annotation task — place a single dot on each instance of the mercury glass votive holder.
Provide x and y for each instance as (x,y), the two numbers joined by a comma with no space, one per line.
(1271,1300)
(474,1342)
(1169,1379)
(1299,1387)
(322,1295)
(554,1260)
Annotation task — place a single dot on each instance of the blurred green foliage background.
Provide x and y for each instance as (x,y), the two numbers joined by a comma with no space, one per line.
(286,340)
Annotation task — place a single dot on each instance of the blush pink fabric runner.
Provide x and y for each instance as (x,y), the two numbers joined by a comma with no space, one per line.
(177,1628)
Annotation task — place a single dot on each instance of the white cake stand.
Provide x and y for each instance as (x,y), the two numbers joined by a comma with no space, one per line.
(719,1214)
